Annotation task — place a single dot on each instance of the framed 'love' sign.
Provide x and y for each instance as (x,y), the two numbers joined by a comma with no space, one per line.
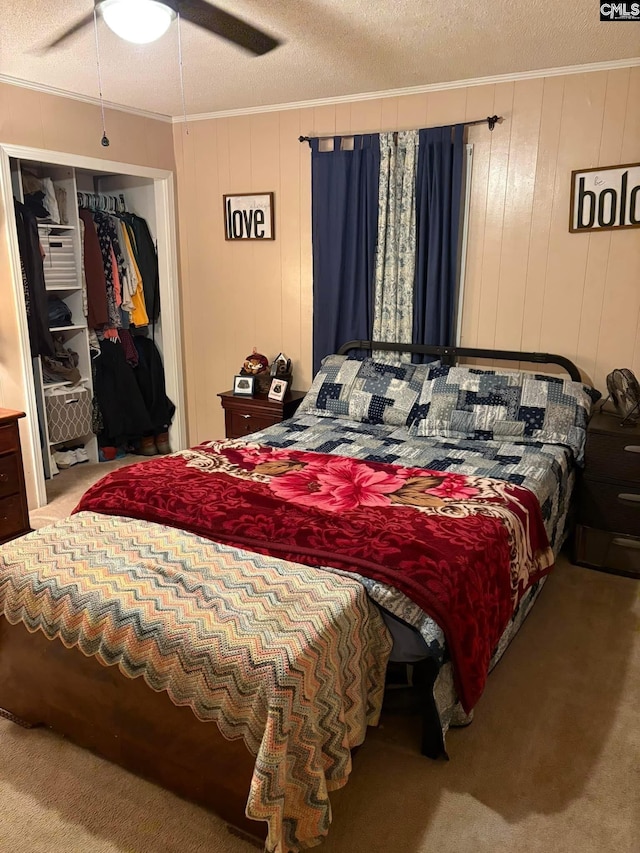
(249,216)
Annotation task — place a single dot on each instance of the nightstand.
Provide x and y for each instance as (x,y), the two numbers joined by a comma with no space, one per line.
(244,415)
(14,515)
(608,529)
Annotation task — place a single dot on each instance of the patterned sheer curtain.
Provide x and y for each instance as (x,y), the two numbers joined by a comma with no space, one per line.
(396,246)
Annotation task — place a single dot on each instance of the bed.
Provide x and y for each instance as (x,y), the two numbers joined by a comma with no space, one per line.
(207,577)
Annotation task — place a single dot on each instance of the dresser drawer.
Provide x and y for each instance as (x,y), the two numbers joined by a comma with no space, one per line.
(9,439)
(610,506)
(599,549)
(614,456)
(12,517)
(239,424)
(9,475)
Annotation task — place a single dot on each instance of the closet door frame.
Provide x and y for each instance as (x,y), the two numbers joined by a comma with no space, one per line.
(165,209)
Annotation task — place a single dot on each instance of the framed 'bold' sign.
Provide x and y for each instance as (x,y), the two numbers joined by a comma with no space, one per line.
(605,198)
(249,216)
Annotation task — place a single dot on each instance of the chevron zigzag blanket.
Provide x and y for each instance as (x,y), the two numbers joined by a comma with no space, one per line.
(464,549)
(289,658)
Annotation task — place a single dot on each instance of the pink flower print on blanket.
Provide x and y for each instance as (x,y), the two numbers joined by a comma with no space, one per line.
(338,486)
(455,487)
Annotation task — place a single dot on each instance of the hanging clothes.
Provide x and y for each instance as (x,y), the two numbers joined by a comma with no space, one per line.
(132,271)
(138,310)
(94,272)
(108,239)
(120,401)
(130,352)
(147,259)
(151,381)
(33,281)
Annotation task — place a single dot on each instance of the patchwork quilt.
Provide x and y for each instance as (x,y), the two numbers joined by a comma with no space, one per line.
(463,549)
(288,658)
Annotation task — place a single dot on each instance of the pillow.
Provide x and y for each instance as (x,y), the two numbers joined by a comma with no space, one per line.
(365,390)
(331,388)
(462,402)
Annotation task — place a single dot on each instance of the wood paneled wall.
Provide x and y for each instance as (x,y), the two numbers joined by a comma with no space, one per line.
(530,283)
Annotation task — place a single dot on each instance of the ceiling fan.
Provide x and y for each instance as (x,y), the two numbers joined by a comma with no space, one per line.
(144,21)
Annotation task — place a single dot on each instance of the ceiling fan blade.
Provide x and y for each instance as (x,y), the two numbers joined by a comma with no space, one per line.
(83,22)
(223,24)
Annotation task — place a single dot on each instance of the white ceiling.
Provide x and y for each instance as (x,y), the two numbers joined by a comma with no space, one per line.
(333,48)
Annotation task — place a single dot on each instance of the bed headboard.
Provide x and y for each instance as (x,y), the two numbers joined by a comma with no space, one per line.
(450,354)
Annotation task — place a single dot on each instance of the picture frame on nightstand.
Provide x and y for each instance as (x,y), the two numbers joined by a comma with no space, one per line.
(278,389)
(244,386)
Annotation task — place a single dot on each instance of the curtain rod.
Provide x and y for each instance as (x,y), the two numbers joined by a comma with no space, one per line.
(490,121)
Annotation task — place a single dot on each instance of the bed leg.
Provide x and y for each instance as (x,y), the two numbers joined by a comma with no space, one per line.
(7,715)
(425,673)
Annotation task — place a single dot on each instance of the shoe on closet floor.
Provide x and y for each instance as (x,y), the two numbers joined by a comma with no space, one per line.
(64,458)
(81,455)
(162,443)
(148,446)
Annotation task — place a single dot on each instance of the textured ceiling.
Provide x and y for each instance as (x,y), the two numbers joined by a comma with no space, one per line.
(333,48)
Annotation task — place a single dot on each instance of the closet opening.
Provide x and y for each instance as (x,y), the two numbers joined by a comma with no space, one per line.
(93,257)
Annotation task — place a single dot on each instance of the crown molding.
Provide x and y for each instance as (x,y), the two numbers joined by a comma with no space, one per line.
(610,65)
(85,99)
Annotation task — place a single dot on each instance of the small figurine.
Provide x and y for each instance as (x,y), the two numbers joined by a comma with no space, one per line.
(255,364)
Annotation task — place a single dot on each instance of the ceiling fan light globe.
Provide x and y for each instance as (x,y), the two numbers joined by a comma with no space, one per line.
(137,21)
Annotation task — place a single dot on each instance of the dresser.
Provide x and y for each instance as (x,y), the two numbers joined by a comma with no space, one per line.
(244,415)
(608,528)
(14,515)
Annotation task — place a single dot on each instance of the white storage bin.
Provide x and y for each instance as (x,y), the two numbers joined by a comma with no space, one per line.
(68,413)
(59,262)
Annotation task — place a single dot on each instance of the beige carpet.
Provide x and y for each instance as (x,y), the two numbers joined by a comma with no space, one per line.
(65,489)
(551,763)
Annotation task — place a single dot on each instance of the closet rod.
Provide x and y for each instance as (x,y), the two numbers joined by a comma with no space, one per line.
(490,121)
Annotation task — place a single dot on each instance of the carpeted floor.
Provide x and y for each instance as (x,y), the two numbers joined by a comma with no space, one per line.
(550,764)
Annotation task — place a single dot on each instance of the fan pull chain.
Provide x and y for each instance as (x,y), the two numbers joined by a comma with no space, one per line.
(184,107)
(105,139)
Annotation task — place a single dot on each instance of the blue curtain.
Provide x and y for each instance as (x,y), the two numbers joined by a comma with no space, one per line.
(344,231)
(438,206)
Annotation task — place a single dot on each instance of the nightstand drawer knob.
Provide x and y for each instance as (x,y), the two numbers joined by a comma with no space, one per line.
(633,448)
(3,478)
(629,499)
(246,416)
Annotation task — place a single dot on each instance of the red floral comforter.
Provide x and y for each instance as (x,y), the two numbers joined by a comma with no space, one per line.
(464,549)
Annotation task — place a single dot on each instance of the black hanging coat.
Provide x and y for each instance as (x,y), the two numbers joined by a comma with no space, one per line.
(33,281)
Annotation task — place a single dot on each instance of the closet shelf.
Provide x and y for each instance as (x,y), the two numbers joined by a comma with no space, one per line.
(53,287)
(56,225)
(66,328)
(50,386)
